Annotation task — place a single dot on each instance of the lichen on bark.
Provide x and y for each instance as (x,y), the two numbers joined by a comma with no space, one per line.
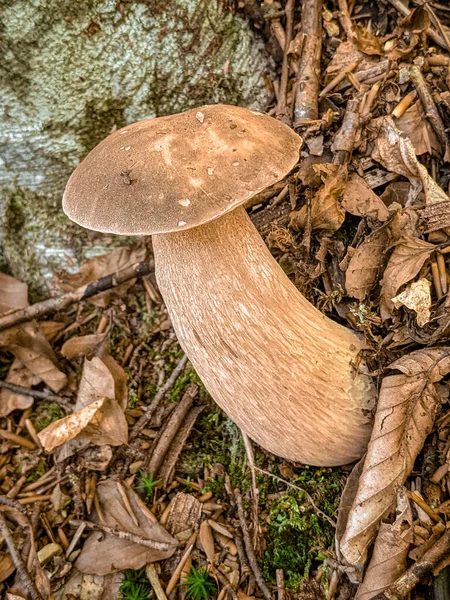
(73,72)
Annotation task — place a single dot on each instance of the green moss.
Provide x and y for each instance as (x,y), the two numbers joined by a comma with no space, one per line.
(39,470)
(46,413)
(297,540)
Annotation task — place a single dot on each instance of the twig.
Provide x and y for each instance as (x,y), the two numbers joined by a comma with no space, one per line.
(249,548)
(177,445)
(404,104)
(283,111)
(122,535)
(177,573)
(18,389)
(84,292)
(423,567)
(18,562)
(431,112)
(170,430)
(81,526)
(159,396)
(344,140)
(152,575)
(17,439)
(280,583)
(255,493)
(308,74)
(346,21)
(299,489)
(339,77)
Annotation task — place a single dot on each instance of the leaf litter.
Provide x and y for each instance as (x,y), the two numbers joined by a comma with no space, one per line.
(362,227)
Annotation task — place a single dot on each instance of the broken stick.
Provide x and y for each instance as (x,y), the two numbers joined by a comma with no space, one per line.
(41,309)
(308,74)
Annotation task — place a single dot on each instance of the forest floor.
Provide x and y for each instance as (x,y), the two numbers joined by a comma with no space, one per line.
(119,475)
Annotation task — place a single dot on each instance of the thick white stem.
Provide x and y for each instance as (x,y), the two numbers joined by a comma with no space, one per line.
(276,365)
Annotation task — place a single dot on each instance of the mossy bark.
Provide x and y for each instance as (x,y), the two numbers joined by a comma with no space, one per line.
(72,72)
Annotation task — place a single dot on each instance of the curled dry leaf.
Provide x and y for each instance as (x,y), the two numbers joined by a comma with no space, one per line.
(102,422)
(30,347)
(396,153)
(408,258)
(326,211)
(103,553)
(388,560)
(414,124)
(405,414)
(83,345)
(360,200)
(366,263)
(100,266)
(417,297)
(18,374)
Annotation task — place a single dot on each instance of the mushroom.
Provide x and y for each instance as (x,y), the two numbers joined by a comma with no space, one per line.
(276,365)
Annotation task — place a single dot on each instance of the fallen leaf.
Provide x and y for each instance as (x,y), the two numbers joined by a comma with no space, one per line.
(407,259)
(100,266)
(13,293)
(347,498)
(358,199)
(102,422)
(207,541)
(417,128)
(326,212)
(103,553)
(417,297)
(90,587)
(369,43)
(366,263)
(396,153)
(50,329)
(83,345)
(96,382)
(391,547)
(7,567)
(405,414)
(18,374)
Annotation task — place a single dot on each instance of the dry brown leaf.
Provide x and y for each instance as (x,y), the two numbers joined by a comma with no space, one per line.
(83,345)
(326,211)
(347,498)
(100,266)
(388,560)
(96,382)
(369,43)
(34,351)
(365,264)
(90,587)
(103,553)
(18,374)
(408,258)
(396,153)
(207,541)
(417,128)
(120,380)
(416,297)
(360,200)
(102,422)
(7,567)
(405,414)
(50,329)
(13,293)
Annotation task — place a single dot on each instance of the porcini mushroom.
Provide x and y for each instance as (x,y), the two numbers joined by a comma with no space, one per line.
(276,365)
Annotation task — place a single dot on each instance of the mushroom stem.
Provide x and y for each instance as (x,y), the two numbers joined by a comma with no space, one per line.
(276,365)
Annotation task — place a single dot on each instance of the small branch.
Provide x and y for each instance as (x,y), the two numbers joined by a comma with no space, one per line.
(283,110)
(249,548)
(170,429)
(344,140)
(18,389)
(152,575)
(18,561)
(41,309)
(431,112)
(346,21)
(423,567)
(405,11)
(122,535)
(159,396)
(308,74)
(255,493)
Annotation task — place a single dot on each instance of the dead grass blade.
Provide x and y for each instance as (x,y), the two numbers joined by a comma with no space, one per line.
(405,414)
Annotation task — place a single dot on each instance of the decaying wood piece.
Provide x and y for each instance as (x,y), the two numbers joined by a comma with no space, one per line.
(344,140)
(268,333)
(283,111)
(435,216)
(308,74)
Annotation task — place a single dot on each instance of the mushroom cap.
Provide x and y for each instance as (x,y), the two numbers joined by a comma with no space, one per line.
(173,173)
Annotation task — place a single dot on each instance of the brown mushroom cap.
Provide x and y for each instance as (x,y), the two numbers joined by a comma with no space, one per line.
(173,173)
